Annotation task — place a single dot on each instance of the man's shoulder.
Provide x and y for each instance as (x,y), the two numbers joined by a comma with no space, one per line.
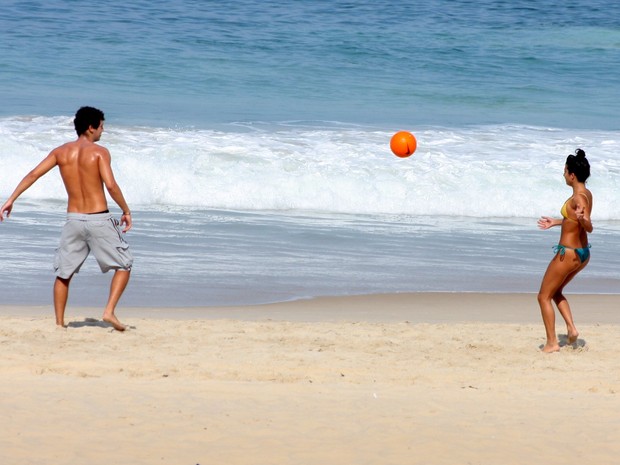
(65,146)
(81,146)
(100,150)
(63,150)
(80,150)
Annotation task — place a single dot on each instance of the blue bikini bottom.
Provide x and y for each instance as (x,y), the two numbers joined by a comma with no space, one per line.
(583,253)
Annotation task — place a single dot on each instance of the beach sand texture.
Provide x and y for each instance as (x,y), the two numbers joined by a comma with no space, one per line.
(388,379)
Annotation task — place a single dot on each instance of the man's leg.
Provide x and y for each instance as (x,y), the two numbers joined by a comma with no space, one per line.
(61,293)
(118,285)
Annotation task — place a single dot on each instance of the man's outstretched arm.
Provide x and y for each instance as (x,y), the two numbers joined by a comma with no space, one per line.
(42,168)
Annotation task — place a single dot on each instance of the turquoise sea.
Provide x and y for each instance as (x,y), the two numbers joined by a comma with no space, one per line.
(252,142)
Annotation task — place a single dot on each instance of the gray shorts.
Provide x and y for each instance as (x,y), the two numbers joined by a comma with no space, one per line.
(99,233)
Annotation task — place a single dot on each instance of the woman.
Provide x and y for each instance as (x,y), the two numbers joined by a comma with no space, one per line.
(572,254)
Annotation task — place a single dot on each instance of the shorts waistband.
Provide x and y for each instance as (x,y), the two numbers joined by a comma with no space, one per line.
(89,216)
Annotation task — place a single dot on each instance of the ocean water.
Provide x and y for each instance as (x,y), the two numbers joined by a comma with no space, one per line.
(252,142)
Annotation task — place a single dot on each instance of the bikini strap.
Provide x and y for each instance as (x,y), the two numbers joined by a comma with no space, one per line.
(562,248)
(559,248)
(584,194)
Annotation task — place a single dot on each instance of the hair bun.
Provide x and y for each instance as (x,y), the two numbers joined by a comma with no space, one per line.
(580,153)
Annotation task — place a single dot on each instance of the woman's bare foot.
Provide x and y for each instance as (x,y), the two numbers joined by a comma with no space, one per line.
(114,322)
(549,348)
(572,336)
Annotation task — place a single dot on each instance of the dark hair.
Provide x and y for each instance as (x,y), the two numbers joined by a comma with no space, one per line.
(578,165)
(86,117)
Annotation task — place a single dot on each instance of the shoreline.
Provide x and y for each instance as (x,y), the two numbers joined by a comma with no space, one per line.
(416,307)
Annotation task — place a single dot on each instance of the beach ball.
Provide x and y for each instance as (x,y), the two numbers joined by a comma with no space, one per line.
(403,144)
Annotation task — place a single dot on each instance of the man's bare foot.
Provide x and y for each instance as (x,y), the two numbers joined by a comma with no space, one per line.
(572,336)
(549,348)
(117,325)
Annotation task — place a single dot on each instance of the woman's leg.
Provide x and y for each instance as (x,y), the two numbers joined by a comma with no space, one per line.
(558,271)
(564,307)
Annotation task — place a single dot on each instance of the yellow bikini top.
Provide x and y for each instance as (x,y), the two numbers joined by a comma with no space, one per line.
(564,211)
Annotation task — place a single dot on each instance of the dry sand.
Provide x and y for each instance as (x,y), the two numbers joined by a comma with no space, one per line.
(387,379)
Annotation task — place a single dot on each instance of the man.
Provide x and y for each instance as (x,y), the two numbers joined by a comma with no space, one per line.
(85,168)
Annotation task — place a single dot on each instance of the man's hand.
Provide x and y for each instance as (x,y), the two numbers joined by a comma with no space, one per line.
(126,220)
(7,207)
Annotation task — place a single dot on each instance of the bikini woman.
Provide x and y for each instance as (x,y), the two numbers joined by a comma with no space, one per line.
(572,253)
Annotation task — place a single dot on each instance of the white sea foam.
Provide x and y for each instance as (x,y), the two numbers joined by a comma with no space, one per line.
(483,171)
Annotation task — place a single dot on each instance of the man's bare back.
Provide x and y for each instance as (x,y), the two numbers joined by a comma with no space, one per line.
(80,170)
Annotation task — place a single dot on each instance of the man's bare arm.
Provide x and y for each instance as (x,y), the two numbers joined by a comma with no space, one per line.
(42,168)
(105,169)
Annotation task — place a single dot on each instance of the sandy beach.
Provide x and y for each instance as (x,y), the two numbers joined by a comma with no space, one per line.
(380,379)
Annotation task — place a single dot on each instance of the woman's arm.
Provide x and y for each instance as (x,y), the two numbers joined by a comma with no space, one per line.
(583,214)
(546,222)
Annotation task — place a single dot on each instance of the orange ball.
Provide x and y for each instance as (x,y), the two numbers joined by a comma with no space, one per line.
(403,144)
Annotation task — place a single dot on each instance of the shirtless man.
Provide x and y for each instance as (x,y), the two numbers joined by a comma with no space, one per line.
(85,168)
